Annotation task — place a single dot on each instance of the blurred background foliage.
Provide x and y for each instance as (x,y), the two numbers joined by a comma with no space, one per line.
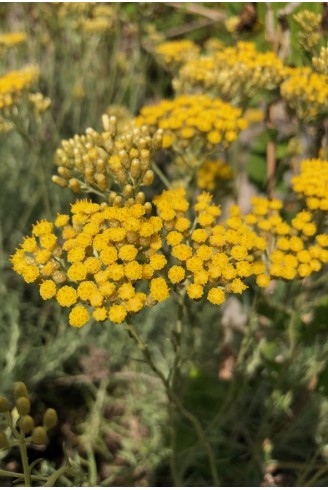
(258,379)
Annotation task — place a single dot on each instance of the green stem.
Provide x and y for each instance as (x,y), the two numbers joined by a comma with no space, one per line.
(22,449)
(26,468)
(57,474)
(176,341)
(176,400)
(13,474)
(160,174)
(173,458)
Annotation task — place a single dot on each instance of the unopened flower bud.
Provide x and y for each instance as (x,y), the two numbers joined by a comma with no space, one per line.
(128,190)
(74,185)
(131,236)
(158,139)
(64,172)
(26,424)
(169,225)
(144,241)
(105,122)
(130,202)
(39,435)
(148,207)
(23,405)
(59,277)
(140,198)
(20,390)
(59,181)
(117,201)
(111,197)
(121,176)
(125,159)
(4,404)
(50,418)
(148,177)
(135,168)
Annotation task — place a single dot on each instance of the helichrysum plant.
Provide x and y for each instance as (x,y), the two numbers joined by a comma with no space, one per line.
(152,230)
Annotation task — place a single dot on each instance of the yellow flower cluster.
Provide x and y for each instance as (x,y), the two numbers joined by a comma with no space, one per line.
(103,260)
(14,83)
(309,34)
(320,63)
(236,73)
(211,173)
(193,125)
(11,39)
(306,92)
(295,249)
(108,163)
(174,53)
(209,257)
(312,184)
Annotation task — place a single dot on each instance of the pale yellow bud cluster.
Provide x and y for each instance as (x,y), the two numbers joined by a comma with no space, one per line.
(306,92)
(194,125)
(235,73)
(174,53)
(320,63)
(309,23)
(118,166)
(39,102)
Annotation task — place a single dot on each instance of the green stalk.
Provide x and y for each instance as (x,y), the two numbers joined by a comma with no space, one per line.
(173,398)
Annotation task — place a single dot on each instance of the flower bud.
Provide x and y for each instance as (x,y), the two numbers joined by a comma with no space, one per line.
(59,181)
(26,424)
(128,190)
(148,207)
(64,172)
(39,435)
(20,389)
(158,139)
(124,157)
(74,185)
(4,404)
(59,277)
(4,443)
(50,418)
(23,405)
(105,122)
(140,198)
(117,201)
(135,168)
(148,177)
(112,196)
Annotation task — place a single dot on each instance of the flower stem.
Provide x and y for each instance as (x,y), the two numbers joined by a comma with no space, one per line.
(161,176)
(176,401)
